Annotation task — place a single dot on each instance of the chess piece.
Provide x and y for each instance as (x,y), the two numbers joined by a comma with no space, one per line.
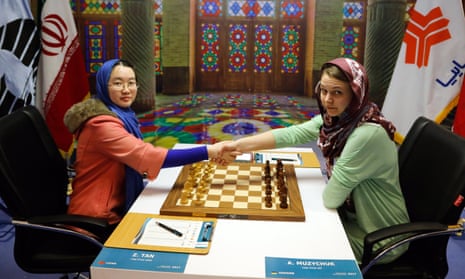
(268,191)
(268,202)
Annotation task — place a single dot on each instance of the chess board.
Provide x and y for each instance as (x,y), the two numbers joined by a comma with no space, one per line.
(235,191)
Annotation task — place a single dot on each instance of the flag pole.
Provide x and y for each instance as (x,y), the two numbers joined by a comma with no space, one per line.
(40,5)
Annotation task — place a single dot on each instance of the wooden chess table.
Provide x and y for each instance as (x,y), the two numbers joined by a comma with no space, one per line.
(237,191)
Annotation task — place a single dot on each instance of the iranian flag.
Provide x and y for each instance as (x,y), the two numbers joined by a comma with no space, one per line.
(62,78)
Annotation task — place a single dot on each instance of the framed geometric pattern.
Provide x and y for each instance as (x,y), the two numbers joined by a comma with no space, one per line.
(250,45)
(353,29)
(100,22)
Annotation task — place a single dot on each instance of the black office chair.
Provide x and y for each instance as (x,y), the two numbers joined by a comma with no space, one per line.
(432,177)
(33,185)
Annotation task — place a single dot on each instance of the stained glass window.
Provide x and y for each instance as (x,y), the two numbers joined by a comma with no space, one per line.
(157,36)
(72,3)
(249,44)
(99,47)
(209,47)
(118,32)
(251,8)
(158,7)
(100,6)
(353,10)
(210,8)
(290,49)
(108,6)
(263,48)
(353,30)
(292,9)
(95,45)
(350,42)
(157,51)
(237,48)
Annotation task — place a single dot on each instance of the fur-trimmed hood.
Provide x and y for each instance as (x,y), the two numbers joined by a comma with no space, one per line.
(79,113)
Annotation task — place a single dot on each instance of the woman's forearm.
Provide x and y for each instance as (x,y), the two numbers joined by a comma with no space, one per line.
(264,140)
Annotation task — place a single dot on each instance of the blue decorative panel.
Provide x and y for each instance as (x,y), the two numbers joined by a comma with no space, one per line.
(251,8)
(353,10)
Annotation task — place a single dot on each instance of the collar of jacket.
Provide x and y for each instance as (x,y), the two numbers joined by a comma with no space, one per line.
(79,113)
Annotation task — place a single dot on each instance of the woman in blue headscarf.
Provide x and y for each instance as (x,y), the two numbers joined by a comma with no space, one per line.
(111,157)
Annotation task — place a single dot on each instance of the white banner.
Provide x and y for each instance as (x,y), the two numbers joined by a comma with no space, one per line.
(429,71)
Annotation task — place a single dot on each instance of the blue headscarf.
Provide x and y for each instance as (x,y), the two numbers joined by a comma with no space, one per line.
(134,182)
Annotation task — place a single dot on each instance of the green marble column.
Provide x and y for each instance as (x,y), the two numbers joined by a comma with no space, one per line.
(176,48)
(137,21)
(384,34)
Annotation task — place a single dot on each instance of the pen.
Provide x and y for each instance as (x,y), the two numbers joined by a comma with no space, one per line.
(171,230)
(283,159)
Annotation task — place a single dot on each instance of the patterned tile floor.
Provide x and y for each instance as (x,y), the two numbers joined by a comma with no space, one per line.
(213,117)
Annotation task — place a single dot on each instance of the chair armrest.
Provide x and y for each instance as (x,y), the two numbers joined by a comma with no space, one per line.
(69,219)
(96,226)
(412,231)
(58,229)
(384,233)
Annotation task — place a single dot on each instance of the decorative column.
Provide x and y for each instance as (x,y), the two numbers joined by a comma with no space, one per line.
(137,21)
(326,38)
(177,38)
(384,34)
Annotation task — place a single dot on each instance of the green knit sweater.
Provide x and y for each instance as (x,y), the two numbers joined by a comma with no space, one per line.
(368,170)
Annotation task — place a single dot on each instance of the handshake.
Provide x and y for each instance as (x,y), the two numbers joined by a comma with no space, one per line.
(223,153)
